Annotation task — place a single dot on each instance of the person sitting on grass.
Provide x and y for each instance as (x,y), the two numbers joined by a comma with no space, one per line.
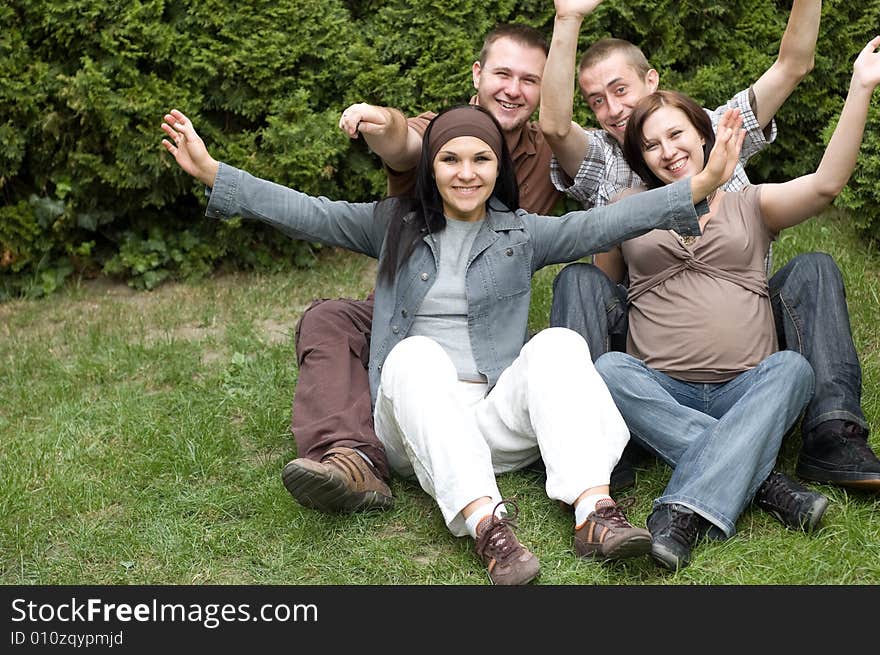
(459,395)
(703,384)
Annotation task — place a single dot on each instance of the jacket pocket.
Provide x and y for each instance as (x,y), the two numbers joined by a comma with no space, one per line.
(509,269)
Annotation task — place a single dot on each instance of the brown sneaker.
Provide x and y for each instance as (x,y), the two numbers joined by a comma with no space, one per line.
(342,481)
(509,562)
(608,535)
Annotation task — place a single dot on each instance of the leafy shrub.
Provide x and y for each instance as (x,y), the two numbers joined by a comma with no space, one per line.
(86,186)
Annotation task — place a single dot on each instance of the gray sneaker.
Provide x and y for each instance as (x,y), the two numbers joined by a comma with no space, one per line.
(675,529)
(794,505)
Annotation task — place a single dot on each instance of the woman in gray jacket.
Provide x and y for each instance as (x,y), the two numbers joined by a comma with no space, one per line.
(459,394)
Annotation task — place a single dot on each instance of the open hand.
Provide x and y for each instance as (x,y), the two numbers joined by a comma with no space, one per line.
(866,68)
(188,149)
(724,156)
(579,8)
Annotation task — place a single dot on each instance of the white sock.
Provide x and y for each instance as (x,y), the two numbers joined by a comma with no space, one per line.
(584,508)
(474,519)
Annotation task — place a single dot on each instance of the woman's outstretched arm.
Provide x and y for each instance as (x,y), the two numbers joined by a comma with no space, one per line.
(789,203)
(234,192)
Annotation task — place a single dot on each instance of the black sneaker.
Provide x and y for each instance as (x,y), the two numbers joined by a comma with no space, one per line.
(623,476)
(793,504)
(674,531)
(837,452)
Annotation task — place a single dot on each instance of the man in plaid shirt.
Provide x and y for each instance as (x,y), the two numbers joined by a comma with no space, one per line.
(613,76)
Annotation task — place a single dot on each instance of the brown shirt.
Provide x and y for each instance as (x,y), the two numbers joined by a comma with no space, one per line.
(702,313)
(531,159)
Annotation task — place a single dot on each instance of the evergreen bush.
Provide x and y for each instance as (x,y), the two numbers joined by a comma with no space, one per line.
(86,186)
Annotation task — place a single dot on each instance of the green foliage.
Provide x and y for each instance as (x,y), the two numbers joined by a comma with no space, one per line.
(84,84)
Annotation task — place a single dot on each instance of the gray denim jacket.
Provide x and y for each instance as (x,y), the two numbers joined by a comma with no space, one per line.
(509,248)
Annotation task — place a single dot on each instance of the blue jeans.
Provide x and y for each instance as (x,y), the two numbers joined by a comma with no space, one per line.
(720,439)
(809,309)
(587,301)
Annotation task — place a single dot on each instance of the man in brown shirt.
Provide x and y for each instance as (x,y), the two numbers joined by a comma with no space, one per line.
(341,465)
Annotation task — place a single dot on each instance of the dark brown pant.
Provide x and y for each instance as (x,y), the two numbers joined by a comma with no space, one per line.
(331,405)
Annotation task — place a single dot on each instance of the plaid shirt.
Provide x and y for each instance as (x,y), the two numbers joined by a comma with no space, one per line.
(604,172)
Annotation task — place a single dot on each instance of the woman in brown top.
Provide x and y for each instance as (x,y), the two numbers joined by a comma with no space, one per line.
(703,384)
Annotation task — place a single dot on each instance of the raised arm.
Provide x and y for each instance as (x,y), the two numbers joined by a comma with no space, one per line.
(237,193)
(790,203)
(386,132)
(566,138)
(795,60)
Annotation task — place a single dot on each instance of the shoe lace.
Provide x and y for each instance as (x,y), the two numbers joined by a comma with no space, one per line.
(614,514)
(685,526)
(779,491)
(343,462)
(853,434)
(497,541)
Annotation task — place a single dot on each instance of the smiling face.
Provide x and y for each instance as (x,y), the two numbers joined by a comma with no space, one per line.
(465,170)
(508,83)
(612,87)
(672,147)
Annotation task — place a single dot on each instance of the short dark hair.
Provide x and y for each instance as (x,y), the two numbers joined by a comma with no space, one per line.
(521,34)
(604,48)
(634,142)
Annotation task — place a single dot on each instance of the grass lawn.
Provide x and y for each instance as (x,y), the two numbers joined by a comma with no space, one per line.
(142,437)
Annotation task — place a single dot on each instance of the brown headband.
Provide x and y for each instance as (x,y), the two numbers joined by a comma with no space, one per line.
(464,121)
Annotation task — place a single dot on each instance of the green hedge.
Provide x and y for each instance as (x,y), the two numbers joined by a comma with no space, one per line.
(86,186)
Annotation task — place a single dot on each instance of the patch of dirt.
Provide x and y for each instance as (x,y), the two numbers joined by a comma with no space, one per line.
(275,332)
(193,331)
(106,286)
(211,357)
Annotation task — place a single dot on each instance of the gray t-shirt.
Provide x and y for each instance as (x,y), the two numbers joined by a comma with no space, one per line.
(443,313)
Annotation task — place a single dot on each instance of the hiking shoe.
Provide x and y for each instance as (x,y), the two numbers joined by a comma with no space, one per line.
(837,452)
(342,481)
(674,531)
(508,561)
(608,535)
(623,476)
(794,505)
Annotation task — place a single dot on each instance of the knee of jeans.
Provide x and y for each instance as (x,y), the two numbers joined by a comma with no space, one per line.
(559,343)
(796,368)
(820,264)
(613,364)
(418,357)
(576,276)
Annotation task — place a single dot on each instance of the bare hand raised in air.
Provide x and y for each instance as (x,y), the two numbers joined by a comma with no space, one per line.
(578,8)
(723,158)
(188,148)
(866,68)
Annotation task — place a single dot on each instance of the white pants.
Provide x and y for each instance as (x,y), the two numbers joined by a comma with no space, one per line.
(550,403)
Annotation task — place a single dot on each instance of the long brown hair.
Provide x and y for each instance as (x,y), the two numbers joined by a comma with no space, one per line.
(634,141)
